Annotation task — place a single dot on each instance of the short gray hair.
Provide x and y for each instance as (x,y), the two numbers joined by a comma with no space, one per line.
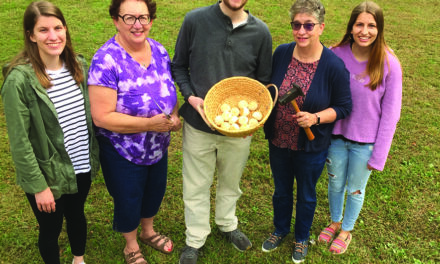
(311,7)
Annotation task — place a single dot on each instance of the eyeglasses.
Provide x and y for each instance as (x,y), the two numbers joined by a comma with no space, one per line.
(131,20)
(307,26)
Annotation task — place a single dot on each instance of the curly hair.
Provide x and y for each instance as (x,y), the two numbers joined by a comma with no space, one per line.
(311,7)
(116,5)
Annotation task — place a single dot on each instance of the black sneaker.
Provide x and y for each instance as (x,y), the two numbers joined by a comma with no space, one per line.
(189,255)
(238,239)
(272,242)
(300,251)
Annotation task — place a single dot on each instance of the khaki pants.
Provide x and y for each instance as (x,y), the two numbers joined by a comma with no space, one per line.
(202,153)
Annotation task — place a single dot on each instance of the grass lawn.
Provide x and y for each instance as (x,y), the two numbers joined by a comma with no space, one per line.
(400,221)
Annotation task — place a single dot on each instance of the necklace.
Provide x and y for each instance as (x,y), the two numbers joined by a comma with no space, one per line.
(309,58)
(148,57)
(143,57)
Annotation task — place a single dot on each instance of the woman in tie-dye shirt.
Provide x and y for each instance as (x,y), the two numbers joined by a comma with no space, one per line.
(134,105)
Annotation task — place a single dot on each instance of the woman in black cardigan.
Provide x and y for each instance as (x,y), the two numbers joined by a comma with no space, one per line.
(325,82)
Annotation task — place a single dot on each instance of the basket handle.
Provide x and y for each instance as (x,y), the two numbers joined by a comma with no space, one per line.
(202,114)
(276,92)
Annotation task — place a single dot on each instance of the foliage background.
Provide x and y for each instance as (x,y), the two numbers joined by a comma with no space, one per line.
(401,216)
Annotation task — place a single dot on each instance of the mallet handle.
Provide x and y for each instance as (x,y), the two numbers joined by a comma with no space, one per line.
(309,133)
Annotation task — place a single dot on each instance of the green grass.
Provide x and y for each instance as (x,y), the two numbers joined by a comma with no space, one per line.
(400,221)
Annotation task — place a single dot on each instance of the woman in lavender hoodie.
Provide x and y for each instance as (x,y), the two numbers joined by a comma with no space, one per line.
(361,142)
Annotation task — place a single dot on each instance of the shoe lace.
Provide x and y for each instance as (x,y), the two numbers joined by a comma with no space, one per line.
(299,247)
(274,238)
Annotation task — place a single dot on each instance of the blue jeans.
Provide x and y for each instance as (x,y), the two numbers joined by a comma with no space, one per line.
(137,190)
(347,170)
(306,167)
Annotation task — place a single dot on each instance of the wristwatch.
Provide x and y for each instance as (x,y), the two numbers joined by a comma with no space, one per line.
(318,119)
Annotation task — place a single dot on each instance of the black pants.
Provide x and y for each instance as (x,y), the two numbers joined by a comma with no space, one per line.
(70,206)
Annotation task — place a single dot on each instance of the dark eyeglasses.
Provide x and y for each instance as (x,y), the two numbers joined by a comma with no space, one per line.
(307,26)
(131,20)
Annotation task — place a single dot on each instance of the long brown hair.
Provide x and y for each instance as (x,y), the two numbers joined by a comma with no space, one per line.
(31,54)
(378,56)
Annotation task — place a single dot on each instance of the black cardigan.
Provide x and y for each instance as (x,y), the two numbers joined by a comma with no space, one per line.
(330,87)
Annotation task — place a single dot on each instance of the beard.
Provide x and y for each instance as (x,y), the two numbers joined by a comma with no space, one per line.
(234,8)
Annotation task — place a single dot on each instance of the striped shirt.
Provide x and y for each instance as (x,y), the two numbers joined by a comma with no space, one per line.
(69,104)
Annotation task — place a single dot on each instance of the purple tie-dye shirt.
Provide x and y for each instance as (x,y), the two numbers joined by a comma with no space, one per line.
(137,90)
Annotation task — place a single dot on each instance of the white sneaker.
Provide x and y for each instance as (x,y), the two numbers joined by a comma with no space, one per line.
(73,262)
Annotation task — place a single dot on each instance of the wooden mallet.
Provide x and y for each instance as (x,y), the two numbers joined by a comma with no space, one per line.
(290,96)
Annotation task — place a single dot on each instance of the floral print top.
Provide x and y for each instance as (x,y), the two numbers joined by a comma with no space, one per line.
(139,91)
(286,127)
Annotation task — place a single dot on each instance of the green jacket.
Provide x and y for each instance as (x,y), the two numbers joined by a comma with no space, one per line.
(35,135)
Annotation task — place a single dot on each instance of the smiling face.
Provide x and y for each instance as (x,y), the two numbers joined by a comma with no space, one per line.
(137,33)
(304,38)
(49,34)
(364,30)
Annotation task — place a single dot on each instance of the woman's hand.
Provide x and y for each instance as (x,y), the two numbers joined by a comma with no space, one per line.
(160,123)
(369,167)
(45,201)
(306,119)
(176,123)
(175,119)
(103,108)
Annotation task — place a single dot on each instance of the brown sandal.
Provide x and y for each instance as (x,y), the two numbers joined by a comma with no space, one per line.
(131,257)
(156,244)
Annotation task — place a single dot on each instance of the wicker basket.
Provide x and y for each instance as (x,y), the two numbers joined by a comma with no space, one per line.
(231,91)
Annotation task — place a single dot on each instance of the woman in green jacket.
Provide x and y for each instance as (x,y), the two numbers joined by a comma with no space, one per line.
(50,129)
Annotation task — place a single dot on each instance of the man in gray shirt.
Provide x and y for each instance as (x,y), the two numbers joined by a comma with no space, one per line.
(214,43)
